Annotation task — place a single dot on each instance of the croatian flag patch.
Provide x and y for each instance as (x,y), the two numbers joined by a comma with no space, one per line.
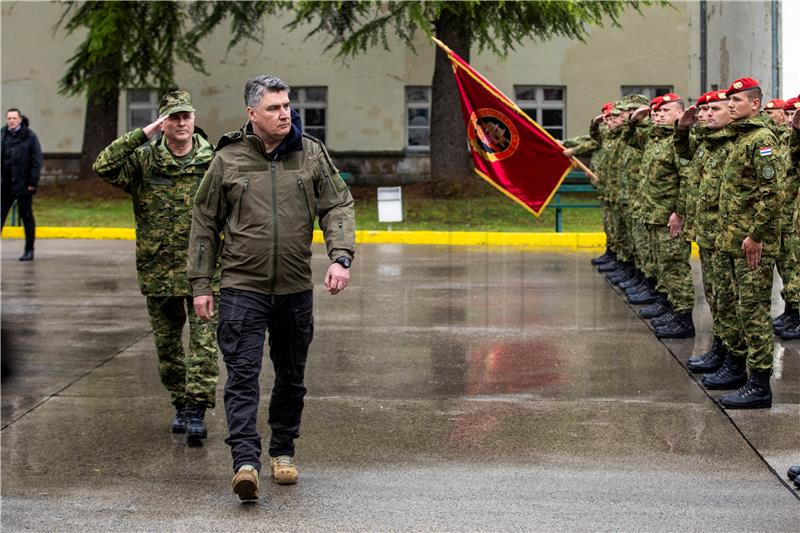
(767,150)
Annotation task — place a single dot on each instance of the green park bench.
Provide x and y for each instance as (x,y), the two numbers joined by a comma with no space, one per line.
(575,182)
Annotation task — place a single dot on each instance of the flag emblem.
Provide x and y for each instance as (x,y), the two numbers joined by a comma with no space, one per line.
(492,135)
(767,150)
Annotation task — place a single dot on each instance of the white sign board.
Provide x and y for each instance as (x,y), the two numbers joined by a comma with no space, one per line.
(390,204)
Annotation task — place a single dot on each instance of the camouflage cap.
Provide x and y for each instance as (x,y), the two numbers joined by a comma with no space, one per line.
(630,102)
(175,102)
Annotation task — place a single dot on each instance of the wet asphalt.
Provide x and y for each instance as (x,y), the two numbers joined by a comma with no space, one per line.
(450,389)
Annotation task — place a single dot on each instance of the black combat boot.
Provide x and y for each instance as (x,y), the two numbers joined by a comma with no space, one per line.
(755,394)
(709,361)
(630,291)
(27,256)
(605,258)
(680,328)
(179,422)
(731,375)
(608,267)
(660,308)
(647,296)
(663,320)
(195,424)
(791,327)
(793,472)
(635,281)
(777,323)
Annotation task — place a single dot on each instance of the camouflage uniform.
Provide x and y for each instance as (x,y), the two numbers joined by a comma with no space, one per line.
(750,205)
(791,289)
(636,136)
(788,260)
(616,233)
(660,198)
(708,150)
(163,187)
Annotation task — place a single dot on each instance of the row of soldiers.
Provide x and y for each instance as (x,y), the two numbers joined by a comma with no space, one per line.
(721,173)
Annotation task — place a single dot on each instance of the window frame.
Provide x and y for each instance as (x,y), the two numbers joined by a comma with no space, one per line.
(417,105)
(151,105)
(650,91)
(540,105)
(301,104)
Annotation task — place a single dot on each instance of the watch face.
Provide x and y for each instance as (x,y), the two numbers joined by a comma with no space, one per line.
(344,261)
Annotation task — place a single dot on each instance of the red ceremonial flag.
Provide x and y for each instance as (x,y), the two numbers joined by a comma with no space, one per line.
(510,150)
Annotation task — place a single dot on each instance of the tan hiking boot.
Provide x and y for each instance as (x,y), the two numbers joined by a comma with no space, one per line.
(284,471)
(245,483)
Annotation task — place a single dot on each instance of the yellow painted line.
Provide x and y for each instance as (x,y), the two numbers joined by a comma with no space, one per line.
(571,241)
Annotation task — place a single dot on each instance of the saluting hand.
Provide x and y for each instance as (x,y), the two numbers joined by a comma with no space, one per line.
(154,127)
(641,113)
(337,278)
(598,119)
(688,118)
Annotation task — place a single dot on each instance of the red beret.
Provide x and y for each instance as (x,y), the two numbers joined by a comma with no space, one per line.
(775,103)
(792,103)
(715,96)
(607,107)
(702,99)
(671,97)
(742,84)
(656,102)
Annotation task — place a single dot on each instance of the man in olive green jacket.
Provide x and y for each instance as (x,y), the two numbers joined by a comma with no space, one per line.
(162,176)
(265,188)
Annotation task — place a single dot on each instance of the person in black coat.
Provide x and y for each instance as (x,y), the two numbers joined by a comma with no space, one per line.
(22,163)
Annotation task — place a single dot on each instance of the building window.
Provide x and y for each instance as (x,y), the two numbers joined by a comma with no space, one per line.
(142,107)
(418,118)
(650,91)
(545,105)
(312,105)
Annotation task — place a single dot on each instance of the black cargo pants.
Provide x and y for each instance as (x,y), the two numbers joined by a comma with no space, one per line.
(244,319)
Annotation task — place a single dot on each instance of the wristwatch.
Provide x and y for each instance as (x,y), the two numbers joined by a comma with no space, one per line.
(344,261)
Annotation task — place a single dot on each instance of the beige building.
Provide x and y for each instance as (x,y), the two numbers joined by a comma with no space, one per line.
(372,111)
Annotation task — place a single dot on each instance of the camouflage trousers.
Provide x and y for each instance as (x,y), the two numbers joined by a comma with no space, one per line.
(710,264)
(743,303)
(788,263)
(641,246)
(623,245)
(606,223)
(190,378)
(674,273)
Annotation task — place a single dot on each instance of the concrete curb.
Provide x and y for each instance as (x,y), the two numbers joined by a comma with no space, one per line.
(574,241)
(569,241)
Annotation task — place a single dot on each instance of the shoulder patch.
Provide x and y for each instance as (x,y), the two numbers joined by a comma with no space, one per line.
(768,172)
(765,151)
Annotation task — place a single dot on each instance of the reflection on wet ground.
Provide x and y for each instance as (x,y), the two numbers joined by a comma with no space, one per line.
(450,388)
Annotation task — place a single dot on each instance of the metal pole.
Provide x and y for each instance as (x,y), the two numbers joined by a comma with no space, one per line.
(776,57)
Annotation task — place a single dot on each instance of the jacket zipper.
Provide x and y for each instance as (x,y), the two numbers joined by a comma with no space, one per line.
(305,197)
(274,227)
(241,198)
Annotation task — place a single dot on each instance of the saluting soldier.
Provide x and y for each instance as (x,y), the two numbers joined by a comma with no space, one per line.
(162,174)
(748,242)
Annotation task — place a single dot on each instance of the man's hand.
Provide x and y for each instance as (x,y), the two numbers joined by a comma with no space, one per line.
(688,118)
(204,306)
(675,225)
(154,127)
(752,251)
(569,152)
(641,113)
(598,119)
(796,120)
(337,278)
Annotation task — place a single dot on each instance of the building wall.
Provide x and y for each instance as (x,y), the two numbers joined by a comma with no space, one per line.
(366,95)
(740,43)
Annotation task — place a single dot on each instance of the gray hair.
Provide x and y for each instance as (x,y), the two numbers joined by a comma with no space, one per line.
(255,88)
